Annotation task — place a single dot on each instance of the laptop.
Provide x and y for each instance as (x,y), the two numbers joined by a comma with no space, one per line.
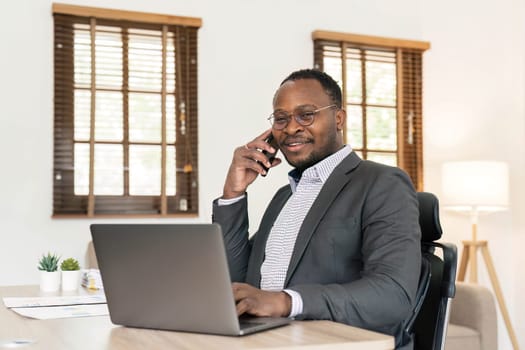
(170,277)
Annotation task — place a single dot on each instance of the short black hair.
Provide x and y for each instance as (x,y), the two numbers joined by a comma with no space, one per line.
(329,85)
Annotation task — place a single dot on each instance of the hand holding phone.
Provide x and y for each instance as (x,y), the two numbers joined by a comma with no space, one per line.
(271,156)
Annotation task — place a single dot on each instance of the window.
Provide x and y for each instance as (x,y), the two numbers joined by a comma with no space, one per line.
(125,122)
(381,79)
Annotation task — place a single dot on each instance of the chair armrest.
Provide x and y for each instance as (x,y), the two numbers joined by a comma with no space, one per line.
(474,307)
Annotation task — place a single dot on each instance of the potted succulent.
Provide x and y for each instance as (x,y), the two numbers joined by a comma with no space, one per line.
(70,274)
(49,274)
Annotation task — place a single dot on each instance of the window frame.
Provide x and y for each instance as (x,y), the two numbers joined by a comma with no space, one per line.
(185,201)
(408,55)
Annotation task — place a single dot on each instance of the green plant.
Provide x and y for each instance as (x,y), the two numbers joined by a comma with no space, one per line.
(70,264)
(48,262)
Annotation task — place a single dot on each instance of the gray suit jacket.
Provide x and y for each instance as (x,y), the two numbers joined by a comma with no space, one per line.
(357,256)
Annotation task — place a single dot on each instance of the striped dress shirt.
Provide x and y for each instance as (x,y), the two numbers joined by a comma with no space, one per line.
(281,240)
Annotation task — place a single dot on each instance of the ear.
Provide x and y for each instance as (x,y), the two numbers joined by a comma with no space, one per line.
(340,119)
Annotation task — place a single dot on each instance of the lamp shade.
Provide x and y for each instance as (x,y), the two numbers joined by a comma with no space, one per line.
(481,186)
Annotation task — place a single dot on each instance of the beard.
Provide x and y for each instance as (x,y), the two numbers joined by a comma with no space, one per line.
(317,154)
(318,143)
(304,163)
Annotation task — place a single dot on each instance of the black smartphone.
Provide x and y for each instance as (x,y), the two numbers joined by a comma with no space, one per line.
(271,156)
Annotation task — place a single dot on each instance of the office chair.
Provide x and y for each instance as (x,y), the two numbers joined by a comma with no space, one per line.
(430,325)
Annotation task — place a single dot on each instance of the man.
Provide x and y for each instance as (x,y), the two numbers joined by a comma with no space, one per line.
(341,241)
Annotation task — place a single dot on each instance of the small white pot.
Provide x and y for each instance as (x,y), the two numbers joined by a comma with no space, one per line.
(49,281)
(70,280)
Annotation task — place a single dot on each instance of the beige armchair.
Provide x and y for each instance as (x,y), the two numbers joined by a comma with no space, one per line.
(473,319)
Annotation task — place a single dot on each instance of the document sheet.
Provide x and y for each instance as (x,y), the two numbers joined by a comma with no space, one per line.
(49,307)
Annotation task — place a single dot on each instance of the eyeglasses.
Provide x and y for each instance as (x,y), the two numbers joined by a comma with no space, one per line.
(304,117)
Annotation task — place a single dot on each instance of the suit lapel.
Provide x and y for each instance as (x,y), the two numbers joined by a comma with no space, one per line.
(339,178)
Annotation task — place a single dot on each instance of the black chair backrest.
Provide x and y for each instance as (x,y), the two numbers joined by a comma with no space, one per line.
(430,324)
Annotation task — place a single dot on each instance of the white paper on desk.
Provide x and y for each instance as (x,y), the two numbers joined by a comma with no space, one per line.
(50,312)
(11,302)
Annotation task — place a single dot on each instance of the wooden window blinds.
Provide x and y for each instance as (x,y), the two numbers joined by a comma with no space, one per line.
(381,79)
(125,113)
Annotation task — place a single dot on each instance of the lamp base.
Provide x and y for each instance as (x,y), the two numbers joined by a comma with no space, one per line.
(469,255)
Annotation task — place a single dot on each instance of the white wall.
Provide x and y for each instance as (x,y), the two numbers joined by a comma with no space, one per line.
(473,79)
(473,103)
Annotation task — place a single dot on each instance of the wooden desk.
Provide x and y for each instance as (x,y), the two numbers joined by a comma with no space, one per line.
(99,333)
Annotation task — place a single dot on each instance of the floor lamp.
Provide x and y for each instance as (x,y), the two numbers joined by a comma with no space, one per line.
(475,188)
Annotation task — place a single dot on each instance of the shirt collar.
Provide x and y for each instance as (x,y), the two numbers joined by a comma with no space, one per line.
(322,169)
